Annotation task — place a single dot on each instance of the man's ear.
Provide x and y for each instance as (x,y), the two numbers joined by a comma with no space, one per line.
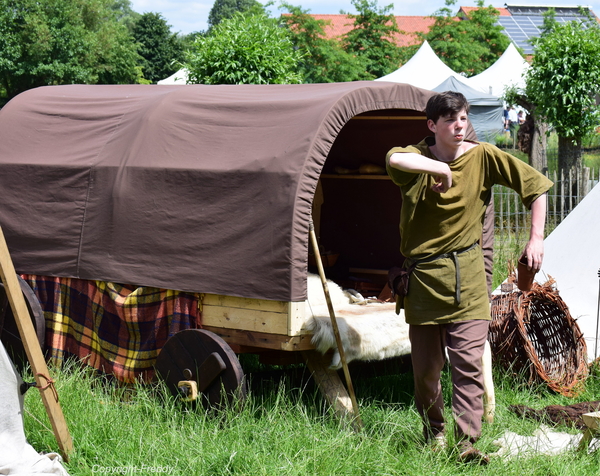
(431,125)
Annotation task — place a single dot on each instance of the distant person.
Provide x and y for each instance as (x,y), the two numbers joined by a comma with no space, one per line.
(521,117)
(513,117)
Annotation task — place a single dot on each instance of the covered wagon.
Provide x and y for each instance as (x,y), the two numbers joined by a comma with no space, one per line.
(202,194)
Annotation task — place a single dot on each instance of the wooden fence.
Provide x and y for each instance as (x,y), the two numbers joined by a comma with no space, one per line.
(568,190)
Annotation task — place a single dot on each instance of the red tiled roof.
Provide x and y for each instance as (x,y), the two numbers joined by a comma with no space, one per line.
(503,11)
(339,25)
(409,25)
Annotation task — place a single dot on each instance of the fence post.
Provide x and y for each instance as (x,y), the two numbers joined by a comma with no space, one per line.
(586,181)
(501,211)
(562,195)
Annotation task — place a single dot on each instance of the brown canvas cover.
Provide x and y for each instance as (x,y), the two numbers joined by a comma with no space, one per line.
(195,188)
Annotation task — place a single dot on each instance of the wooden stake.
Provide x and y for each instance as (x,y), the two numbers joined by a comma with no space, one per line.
(313,238)
(44,382)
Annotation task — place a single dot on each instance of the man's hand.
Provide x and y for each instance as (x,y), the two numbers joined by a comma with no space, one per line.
(534,250)
(411,162)
(442,182)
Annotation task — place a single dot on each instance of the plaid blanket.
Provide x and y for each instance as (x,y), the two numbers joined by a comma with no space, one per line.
(117,329)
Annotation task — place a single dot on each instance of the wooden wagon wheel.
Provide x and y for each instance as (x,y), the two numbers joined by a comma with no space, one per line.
(9,333)
(202,357)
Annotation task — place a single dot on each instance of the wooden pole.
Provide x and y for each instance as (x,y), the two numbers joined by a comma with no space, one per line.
(336,331)
(44,382)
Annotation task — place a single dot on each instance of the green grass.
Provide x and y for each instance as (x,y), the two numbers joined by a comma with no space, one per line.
(508,247)
(284,428)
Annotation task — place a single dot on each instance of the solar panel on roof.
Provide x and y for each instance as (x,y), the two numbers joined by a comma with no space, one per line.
(524,24)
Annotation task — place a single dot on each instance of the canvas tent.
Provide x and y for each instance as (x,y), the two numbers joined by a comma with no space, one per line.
(424,70)
(486,110)
(179,77)
(508,70)
(572,258)
(200,188)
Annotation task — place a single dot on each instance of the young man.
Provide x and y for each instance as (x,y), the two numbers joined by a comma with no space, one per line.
(446,184)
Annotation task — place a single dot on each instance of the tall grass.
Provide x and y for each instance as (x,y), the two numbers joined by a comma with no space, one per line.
(283,429)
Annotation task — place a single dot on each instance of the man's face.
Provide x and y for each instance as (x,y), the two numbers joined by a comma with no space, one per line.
(450,130)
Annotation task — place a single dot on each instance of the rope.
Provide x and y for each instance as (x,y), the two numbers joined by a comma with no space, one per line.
(49,384)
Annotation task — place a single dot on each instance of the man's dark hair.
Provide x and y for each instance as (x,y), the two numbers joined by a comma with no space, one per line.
(446,104)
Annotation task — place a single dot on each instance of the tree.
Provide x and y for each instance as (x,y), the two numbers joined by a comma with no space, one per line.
(44,42)
(372,37)
(224,9)
(562,83)
(161,50)
(468,45)
(244,49)
(323,59)
(533,133)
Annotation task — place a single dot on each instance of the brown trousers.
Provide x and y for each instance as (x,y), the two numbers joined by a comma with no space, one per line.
(464,342)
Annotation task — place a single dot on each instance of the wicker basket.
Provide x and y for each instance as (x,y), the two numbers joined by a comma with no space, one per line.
(534,332)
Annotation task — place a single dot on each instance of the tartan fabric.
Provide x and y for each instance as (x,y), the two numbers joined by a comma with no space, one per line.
(115,328)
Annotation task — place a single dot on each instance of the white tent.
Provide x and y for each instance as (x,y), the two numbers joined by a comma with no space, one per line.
(508,70)
(424,70)
(180,77)
(572,258)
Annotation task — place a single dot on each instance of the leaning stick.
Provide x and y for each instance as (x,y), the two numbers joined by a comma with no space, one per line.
(336,331)
(33,350)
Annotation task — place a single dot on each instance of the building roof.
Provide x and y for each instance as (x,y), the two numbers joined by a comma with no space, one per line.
(520,23)
(341,24)
(503,11)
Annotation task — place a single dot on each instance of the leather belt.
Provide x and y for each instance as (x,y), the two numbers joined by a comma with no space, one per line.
(454,256)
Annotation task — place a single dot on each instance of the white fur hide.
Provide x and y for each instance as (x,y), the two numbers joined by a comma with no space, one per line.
(371,331)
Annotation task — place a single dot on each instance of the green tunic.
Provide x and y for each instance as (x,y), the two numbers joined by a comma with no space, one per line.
(432,224)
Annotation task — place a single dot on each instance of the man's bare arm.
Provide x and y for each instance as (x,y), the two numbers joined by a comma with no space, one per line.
(534,250)
(416,163)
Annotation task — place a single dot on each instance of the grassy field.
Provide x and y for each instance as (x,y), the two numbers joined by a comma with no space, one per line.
(284,428)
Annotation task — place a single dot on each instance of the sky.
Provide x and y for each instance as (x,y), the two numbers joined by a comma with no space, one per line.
(186,16)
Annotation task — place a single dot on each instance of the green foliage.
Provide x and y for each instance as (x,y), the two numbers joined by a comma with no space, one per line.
(224,9)
(468,45)
(244,49)
(564,77)
(159,48)
(44,42)
(372,37)
(323,59)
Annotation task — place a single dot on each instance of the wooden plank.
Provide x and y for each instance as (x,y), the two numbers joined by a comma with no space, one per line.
(592,420)
(262,340)
(245,319)
(244,303)
(34,353)
(592,423)
(296,318)
(256,315)
(331,387)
